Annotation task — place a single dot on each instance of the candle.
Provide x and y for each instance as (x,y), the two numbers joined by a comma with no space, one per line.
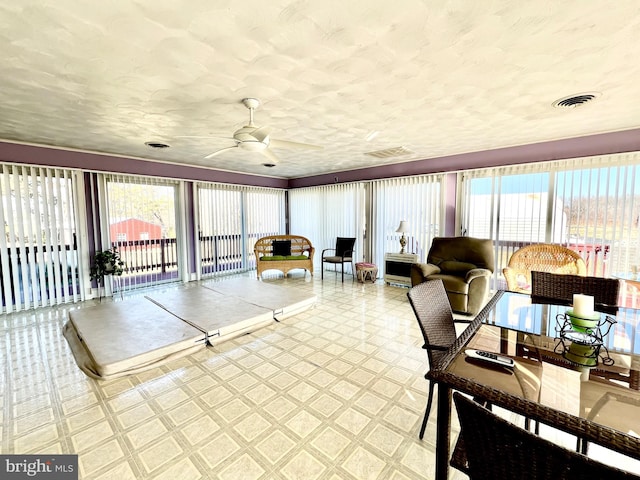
(582,305)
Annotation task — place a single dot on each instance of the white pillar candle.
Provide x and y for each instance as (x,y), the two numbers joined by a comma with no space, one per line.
(582,305)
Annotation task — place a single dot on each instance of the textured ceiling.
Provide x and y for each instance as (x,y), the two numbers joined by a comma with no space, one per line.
(436,77)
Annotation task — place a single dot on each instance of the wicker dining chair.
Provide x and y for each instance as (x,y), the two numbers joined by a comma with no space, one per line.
(542,257)
(497,449)
(550,286)
(432,309)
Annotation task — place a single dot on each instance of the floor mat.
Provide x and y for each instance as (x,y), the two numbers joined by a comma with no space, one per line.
(119,338)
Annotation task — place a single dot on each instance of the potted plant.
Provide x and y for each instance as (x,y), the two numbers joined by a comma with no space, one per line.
(106,262)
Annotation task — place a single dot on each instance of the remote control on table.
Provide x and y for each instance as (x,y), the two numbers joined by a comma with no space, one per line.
(490,357)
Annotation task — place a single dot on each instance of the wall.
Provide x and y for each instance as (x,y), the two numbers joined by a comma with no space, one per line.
(600,144)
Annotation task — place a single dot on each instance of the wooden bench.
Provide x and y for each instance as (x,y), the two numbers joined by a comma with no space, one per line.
(287,253)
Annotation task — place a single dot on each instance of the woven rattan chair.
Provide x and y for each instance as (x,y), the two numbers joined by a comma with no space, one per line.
(432,309)
(342,253)
(550,286)
(497,449)
(542,257)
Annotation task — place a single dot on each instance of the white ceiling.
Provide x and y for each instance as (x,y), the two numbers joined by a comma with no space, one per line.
(436,77)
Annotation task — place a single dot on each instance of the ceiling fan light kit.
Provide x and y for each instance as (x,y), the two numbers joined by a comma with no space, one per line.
(253,138)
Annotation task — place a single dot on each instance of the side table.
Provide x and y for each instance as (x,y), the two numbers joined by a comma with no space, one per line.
(366,271)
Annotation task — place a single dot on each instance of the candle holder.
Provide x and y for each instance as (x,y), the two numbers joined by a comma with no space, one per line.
(583,323)
(583,346)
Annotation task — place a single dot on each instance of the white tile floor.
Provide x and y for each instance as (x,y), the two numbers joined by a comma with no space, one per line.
(336,392)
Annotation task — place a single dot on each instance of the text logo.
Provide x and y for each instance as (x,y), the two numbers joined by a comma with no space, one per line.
(50,467)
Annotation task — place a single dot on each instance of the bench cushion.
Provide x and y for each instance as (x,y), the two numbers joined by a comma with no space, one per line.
(284,253)
(274,258)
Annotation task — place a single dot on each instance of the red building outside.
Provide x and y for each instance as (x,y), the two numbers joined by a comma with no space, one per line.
(132,229)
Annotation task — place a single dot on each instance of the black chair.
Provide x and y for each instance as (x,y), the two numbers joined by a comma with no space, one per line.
(497,449)
(343,253)
(432,309)
(547,286)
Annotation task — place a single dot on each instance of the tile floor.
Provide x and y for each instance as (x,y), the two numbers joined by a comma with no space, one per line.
(336,392)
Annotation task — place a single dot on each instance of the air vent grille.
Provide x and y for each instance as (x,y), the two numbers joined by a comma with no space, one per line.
(390,152)
(574,101)
(156,145)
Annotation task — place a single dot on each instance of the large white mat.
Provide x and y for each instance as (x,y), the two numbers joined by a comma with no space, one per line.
(120,338)
(214,313)
(282,300)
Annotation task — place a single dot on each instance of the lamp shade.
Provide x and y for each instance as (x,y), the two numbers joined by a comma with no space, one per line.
(403,227)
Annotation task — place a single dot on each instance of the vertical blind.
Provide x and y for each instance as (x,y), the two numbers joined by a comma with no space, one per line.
(324,213)
(419,201)
(230,220)
(371,212)
(141,222)
(590,204)
(264,214)
(38,251)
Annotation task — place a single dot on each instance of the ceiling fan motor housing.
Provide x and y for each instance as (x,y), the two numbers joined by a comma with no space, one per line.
(252,145)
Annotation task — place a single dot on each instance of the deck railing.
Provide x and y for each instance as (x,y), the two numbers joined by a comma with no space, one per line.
(37,272)
(223,253)
(148,256)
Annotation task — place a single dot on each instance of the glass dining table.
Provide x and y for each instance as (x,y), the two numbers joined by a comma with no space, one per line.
(583,379)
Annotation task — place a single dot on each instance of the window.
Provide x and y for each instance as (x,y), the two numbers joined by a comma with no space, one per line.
(418,201)
(324,213)
(133,205)
(591,205)
(230,220)
(371,212)
(38,251)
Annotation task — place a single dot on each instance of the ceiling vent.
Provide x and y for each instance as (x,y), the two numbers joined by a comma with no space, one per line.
(156,145)
(574,101)
(390,152)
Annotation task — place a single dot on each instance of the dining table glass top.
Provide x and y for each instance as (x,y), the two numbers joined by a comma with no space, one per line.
(593,373)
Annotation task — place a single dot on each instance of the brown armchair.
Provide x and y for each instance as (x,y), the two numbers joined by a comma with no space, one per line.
(465,266)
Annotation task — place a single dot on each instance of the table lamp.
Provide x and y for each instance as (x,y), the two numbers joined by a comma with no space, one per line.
(403,228)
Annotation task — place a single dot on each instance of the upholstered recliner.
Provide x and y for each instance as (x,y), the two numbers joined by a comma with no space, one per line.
(465,266)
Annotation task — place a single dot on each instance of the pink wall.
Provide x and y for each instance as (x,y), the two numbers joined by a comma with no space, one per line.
(600,144)
(56,157)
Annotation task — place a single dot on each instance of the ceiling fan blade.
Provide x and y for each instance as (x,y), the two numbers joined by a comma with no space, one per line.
(220,151)
(288,144)
(270,155)
(204,136)
(261,133)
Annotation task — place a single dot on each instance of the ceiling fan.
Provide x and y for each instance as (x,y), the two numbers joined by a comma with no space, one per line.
(258,139)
